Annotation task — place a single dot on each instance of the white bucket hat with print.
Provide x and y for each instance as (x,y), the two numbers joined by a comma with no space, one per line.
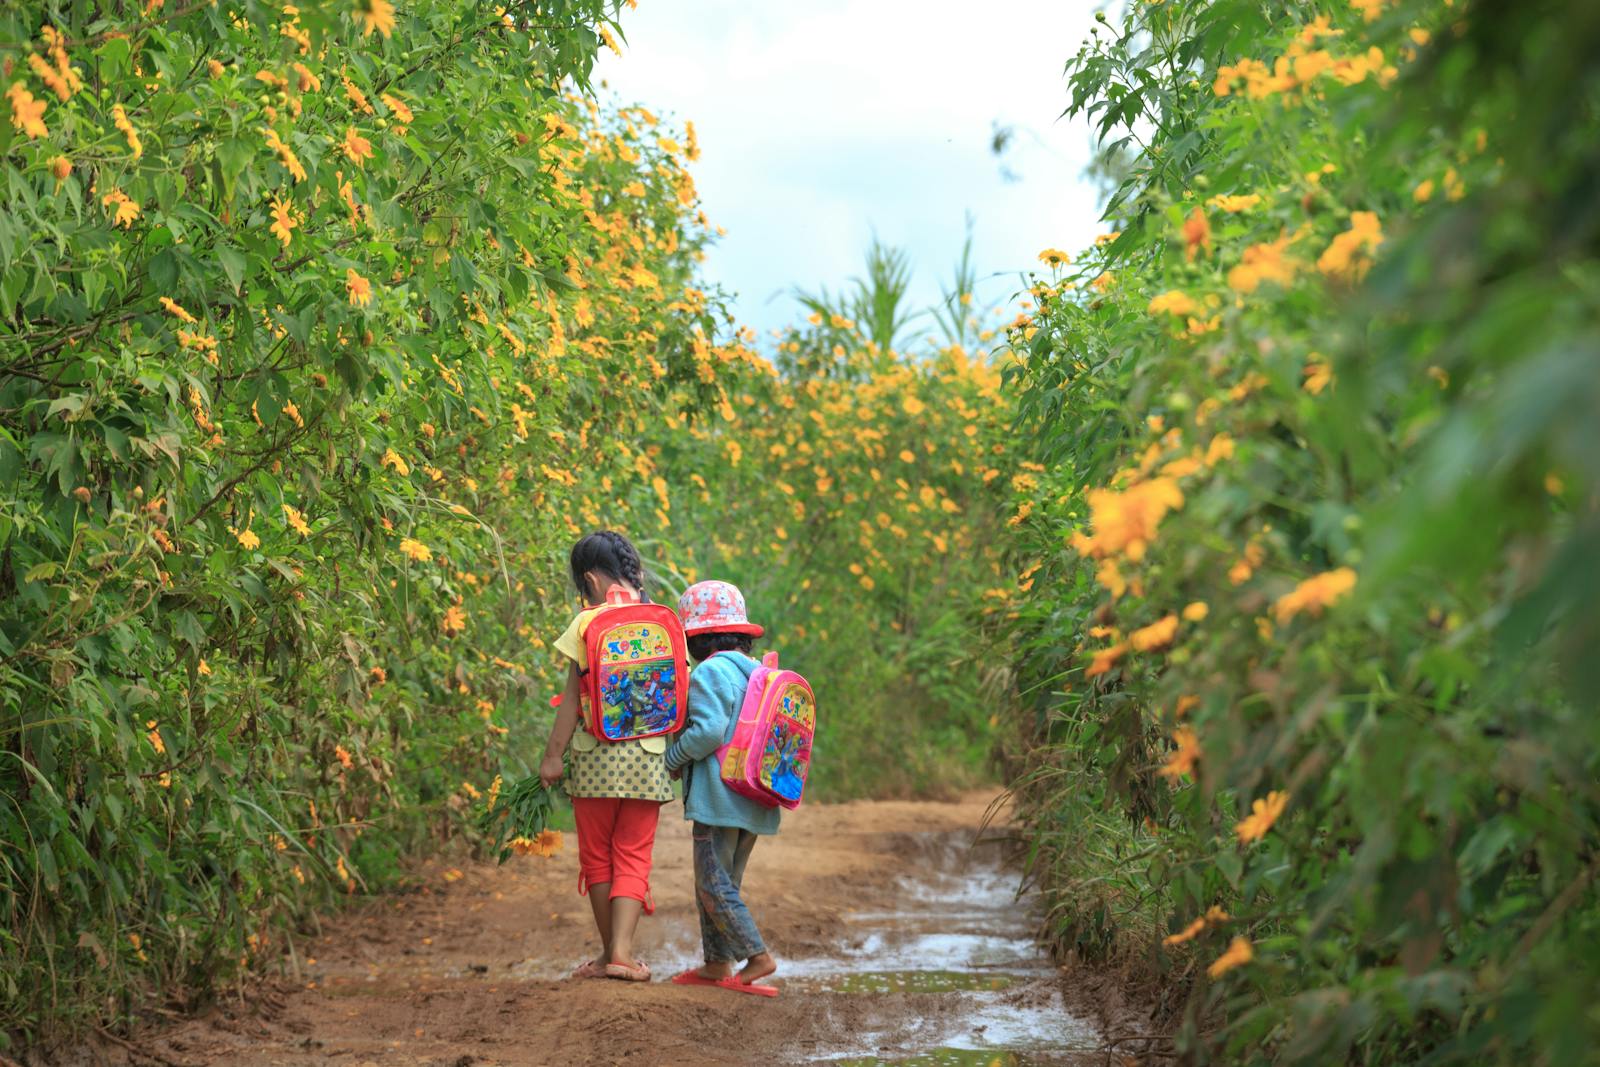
(715,607)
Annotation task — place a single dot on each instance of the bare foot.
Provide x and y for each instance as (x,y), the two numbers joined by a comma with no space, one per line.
(757,968)
(715,972)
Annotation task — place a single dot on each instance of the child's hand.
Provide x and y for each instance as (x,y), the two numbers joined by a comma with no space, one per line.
(551,770)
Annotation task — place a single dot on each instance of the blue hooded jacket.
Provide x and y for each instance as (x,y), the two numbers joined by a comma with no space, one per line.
(716,691)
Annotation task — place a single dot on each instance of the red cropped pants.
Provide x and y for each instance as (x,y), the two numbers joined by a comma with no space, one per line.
(616,836)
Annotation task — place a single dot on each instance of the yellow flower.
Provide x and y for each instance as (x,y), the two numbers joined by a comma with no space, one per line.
(1054,257)
(283,220)
(155,737)
(1239,953)
(1423,192)
(907,456)
(375,15)
(27,113)
(1339,258)
(1264,262)
(1315,593)
(391,458)
(1263,813)
(360,289)
(1125,523)
(453,622)
(378,675)
(124,211)
(1234,204)
(415,550)
(296,520)
(119,118)
(1174,301)
(1188,753)
(204,670)
(216,68)
(1196,611)
(1318,375)
(610,41)
(867,582)
(248,539)
(1158,634)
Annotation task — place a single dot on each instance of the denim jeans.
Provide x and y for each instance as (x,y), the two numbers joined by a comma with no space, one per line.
(727,932)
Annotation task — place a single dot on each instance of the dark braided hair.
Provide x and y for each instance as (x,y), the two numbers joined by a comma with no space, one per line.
(610,553)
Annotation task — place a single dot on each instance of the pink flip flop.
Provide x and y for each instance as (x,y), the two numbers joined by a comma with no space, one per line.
(690,977)
(754,988)
(623,972)
(589,969)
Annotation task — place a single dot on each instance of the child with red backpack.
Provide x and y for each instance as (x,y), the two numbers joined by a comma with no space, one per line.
(743,755)
(626,685)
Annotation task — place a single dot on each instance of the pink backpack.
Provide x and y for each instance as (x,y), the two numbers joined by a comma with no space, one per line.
(769,754)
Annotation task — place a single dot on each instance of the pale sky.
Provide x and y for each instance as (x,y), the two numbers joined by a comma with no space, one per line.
(824,120)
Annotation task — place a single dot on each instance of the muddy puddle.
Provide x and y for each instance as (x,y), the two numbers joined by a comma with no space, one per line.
(949,975)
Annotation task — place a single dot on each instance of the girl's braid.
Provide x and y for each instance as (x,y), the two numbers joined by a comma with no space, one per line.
(628,560)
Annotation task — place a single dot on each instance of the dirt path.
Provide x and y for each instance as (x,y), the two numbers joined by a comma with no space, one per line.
(897,942)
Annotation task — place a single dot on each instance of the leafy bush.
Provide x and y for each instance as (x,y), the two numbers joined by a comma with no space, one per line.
(327,330)
(1318,545)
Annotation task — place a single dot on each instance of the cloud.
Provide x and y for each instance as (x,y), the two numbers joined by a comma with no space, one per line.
(822,122)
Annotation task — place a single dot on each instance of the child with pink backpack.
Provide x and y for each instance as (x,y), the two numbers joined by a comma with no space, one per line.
(743,756)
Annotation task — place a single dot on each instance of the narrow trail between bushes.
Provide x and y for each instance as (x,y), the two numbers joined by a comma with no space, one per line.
(896,925)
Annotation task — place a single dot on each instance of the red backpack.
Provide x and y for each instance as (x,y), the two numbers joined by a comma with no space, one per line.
(637,684)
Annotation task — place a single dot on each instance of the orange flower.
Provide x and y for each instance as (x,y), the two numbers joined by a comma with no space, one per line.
(248,540)
(1315,593)
(1158,634)
(1196,234)
(343,756)
(176,309)
(1196,611)
(360,289)
(1263,813)
(1266,262)
(356,147)
(1105,659)
(1187,755)
(27,114)
(398,108)
(1239,953)
(453,622)
(61,166)
(547,842)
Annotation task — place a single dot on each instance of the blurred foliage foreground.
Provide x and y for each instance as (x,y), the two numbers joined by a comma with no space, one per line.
(326,331)
(1310,621)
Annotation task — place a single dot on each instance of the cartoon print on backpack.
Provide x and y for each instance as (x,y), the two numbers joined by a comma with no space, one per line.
(639,700)
(784,761)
